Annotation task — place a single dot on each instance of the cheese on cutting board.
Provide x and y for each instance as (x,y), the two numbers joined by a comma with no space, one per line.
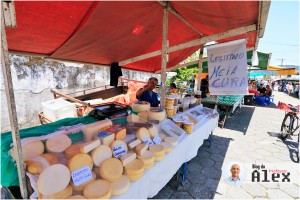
(111,169)
(89,146)
(142,134)
(168,146)
(156,114)
(106,138)
(58,144)
(80,188)
(98,189)
(121,186)
(153,131)
(65,193)
(53,179)
(30,150)
(158,150)
(143,115)
(133,118)
(100,154)
(134,143)
(141,148)
(77,197)
(135,167)
(140,106)
(171,140)
(127,158)
(72,150)
(79,161)
(93,129)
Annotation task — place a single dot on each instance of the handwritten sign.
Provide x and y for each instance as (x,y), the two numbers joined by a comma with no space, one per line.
(81,175)
(119,150)
(227,68)
(148,141)
(156,139)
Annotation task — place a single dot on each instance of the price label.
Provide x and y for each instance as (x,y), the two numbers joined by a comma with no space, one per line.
(81,175)
(149,142)
(119,150)
(156,139)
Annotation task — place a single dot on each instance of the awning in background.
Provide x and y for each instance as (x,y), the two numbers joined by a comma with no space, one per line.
(282,70)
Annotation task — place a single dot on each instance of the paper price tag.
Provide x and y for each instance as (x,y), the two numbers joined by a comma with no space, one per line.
(149,142)
(119,150)
(82,175)
(156,139)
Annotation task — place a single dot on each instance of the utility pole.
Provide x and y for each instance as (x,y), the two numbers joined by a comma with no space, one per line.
(281,61)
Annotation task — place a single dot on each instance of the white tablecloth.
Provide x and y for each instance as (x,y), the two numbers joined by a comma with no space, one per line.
(157,177)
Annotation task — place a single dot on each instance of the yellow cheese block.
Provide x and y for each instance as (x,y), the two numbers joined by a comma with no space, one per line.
(121,186)
(80,188)
(147,157)
(79,161)
(127,158)
(162,136)
(72,150)
(53,179)
(160,158)
(30,150)
(65,193)
(117,143)
(58,144)
(41,163)
(153,131)
(134,143)
(100,154)
(91,130)
(77,197)
(135,167)
(111,169)
(105,137)
(135,177)
(98,189)
(158,150)
(156,114)
(89,146)
(171,140)
(168,147)
(121,134)
(142,134)
(150,165)
(133,118)
(143,115)
(141,149)
(140,106)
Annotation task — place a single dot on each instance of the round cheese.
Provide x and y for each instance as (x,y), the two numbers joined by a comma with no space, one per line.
(162,136)
(91,130)
(158,150)
(111,169)
(118,143)
(53,179)
(80,188)
(41,163)
(72,150)
(135,167)
(150,165)
(65,193)
(153,131)
(30,150)
(147,157)
(171,140)
(156,114)
(168,147)
(100,154)
(77,197)
(142,134)
(121,186)
(140,106)
(58,144)
(98,189)
(135,177)
(79,161)
(157,159)
(133,118)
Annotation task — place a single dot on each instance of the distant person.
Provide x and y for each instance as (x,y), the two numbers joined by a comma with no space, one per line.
(146,93)
(173,88)
(234,179)
(273,84)
(289,88)
(204,87)
(268,92)
(262,90)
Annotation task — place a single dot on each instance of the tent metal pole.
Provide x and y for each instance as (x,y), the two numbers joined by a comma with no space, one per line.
(11,105)
(200,68)
(164,57)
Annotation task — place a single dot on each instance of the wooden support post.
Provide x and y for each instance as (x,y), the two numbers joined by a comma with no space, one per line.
(200,68)
(164,58)
(11,105)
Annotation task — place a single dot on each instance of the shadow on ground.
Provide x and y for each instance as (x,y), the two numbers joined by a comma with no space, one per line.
(203,173)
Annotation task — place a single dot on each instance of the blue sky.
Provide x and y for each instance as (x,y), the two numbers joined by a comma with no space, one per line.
(281,37)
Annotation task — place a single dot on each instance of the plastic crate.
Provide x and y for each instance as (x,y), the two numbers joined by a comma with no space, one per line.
(58,109)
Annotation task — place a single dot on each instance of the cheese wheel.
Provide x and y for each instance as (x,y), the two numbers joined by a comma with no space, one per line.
(150,165)
(147,157)
(89,146)
(58,144)
(153,131)
(140,106)
(72,150)
(100,154)
(135,177)
(65,193)
(143,115)
(79,161)
(91,130)
(141,148)
(162,136)
(156,114)
(159,158)
(77,197)
(41,162)
(98,189)
(157,150)
(80,188)
(168,147)
(171,140)
(111,169)
(127,158)
(121,186)
(133,118)
(53,179)
(135,167)
(142,134)
(117,143)
(30,150)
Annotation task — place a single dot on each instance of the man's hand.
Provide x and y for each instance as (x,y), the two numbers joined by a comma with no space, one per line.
(140,91)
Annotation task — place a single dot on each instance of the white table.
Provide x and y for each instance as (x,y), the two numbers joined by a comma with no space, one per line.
(157,177)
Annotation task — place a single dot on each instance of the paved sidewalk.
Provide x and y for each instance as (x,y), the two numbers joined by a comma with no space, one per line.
(249,137)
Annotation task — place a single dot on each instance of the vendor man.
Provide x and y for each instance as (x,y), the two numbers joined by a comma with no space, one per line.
(146,93)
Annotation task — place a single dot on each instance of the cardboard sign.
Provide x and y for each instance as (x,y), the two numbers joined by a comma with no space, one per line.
(81,175)
(227,68)
(119,151)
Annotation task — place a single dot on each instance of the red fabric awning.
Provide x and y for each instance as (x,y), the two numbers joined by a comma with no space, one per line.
(106,32)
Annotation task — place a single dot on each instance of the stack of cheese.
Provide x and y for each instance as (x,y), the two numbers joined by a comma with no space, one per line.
(149,115)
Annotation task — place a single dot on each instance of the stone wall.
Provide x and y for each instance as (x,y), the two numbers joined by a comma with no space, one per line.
(34,77)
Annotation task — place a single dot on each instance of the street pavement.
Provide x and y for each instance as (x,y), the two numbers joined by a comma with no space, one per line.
(249,138)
